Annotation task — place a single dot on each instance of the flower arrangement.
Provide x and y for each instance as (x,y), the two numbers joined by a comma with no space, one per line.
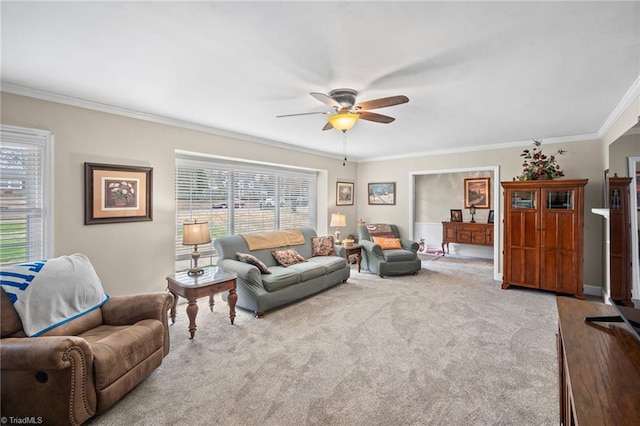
(122,191)
(538,166)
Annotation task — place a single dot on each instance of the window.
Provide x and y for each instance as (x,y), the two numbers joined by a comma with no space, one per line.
(236,197)
(25,197)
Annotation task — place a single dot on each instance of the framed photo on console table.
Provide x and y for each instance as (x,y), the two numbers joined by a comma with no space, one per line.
(492,216)
(476,192)
(456,215)
(115,193)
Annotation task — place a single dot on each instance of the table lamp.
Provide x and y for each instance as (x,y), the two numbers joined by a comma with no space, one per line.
(338,220)
(192,235)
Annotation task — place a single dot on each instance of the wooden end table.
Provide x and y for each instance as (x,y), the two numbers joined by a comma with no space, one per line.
(351,250)
(213,281)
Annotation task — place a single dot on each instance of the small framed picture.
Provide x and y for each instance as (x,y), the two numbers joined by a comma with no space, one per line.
(382,193)
(491,218)
(476,192)
(115,193)
(344,193)
(456,215)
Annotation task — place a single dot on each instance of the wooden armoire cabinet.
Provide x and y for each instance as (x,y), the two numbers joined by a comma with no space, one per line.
(544,235)
(620,241)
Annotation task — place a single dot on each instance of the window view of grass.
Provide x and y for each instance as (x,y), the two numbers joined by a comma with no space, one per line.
(13,241)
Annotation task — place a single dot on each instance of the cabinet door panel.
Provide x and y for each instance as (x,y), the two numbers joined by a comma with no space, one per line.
(478,237)
(523,232)
(520,270)
(559,231)
(558,271)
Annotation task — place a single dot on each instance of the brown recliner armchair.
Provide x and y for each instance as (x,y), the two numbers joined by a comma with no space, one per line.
(81,368)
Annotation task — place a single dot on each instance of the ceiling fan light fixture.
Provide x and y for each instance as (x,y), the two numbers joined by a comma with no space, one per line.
(343,121)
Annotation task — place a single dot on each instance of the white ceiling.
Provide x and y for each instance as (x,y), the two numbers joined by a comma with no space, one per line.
(476,73)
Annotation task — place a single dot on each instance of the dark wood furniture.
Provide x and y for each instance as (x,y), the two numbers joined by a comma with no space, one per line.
(353,250)
(213,281)
(620,241)
(477,234)
(599,377)
(543,235)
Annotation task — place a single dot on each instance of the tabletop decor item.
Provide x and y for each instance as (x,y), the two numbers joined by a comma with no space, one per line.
(538,166)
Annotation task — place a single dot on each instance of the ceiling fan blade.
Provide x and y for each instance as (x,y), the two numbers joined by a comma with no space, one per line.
(326,99)
(378,118)
(302,113)
(381,103)
(328,126)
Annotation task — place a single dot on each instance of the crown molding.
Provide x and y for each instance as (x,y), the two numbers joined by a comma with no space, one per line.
(16,89)
(110,109)
(517,144)
(622,106)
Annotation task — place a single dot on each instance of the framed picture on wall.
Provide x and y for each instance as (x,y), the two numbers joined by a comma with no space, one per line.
(383,193)
(115,193)
(476,192)
(344,193)
(456,215)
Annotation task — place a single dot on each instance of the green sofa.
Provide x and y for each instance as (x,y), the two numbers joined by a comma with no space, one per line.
(260,293)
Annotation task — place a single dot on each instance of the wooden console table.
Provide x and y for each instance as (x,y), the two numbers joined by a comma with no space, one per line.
(598,363)
(477,234)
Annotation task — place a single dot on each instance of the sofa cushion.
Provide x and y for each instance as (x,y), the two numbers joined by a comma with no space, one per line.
(118,349)
(308,270)
(252,260)
(322,246)
(398,255)
(280,277)
(388,243)
(287,257)
(330,263)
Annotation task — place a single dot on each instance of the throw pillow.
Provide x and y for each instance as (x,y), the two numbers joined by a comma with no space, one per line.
(388,243)
(252,260)
(322,246)
(287,257)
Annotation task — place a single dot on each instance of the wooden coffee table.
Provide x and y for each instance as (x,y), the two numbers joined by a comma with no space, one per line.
(213,281)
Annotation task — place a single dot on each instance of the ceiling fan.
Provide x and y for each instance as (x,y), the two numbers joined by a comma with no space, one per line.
(347,111)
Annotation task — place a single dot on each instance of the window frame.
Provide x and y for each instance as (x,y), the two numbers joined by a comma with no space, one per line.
(281,175)
(44,140)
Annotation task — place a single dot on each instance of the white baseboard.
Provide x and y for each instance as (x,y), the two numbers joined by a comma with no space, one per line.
(592,290)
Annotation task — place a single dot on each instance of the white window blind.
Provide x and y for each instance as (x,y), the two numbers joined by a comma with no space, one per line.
(25,197)
(239,198)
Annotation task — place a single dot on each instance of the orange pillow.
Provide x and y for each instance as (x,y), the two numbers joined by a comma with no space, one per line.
(388,243)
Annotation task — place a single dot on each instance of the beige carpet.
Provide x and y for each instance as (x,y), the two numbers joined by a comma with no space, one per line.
(444,347)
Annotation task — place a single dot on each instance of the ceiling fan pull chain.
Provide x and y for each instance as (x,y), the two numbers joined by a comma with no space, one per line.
(344,147)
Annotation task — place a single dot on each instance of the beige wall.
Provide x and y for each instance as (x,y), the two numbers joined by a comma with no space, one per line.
(136,257)
(583,160)
(619,152)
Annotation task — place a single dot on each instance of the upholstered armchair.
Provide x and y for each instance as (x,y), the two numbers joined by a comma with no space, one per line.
(390,254)
(82,367)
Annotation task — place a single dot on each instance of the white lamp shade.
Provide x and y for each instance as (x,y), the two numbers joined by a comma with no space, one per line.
(195,233)
(338,219)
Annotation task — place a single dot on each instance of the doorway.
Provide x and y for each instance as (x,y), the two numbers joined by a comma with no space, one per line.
(454,195)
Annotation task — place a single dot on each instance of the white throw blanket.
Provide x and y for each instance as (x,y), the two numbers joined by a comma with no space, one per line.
(48,293)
